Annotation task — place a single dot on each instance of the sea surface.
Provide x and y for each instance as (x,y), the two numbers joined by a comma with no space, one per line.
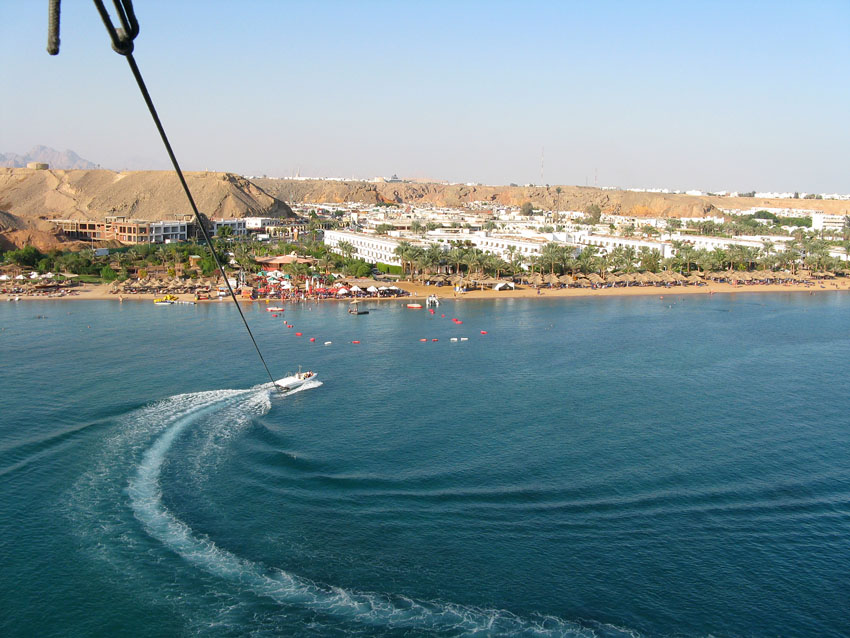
(588,467)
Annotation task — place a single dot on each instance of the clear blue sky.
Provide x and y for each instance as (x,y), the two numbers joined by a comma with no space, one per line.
(707,95)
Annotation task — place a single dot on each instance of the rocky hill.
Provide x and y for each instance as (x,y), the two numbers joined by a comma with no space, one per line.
(67,160)
(576,198)
(30,197)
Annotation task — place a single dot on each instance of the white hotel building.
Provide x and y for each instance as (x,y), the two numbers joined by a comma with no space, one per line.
(371,248)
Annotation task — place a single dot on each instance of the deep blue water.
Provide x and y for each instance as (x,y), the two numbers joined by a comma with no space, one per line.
(590,467)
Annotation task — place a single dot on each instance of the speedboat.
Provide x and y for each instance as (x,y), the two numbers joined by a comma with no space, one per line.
(296,380)
(275,309)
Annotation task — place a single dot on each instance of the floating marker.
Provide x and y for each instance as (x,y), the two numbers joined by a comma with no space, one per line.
(312,338)
(464,338)
(454,338)
(484,332)
(274,315)
(327,343)
(434,339)
(423,340)
(443,316)
(355,342)
(298,334)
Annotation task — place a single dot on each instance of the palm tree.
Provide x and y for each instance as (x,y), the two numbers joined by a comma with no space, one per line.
(720,257)
(346,249)
(650,259)
(455,256)
(325,263)
(551,255)
(705,260)
(435,255)
(474,260)
(587,259)
(402,251)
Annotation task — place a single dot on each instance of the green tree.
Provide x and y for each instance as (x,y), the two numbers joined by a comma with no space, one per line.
(588,259)
(107,274)
(403,252)
(527,209)
(346,249)
(593,214)
(26,257)
(650,259)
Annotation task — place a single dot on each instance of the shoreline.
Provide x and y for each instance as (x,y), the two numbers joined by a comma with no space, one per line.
(418,292)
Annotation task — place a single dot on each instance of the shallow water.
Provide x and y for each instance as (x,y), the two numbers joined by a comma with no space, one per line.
(589,467)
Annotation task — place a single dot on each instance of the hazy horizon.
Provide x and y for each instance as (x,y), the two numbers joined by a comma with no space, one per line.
(659,95)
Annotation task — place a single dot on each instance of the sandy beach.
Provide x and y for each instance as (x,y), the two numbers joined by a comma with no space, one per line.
(419,290)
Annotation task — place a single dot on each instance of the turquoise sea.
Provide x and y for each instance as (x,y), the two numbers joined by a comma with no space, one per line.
(589,467)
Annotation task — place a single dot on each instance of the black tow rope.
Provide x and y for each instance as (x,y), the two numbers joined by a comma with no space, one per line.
(122,42)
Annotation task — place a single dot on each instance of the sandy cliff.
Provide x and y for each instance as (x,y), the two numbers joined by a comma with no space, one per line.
(29,197)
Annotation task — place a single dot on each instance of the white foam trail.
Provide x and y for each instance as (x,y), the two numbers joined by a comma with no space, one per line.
(233,410)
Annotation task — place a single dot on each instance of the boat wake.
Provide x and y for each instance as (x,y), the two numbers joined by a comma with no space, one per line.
(147,435)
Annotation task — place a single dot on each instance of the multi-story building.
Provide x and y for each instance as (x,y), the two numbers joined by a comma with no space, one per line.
(827,222)
(237,226)
(127,231)
(371,248)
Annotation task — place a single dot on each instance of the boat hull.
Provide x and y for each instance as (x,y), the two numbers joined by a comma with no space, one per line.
(287,384)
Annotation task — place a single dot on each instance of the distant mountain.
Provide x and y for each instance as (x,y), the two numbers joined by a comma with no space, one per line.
(67,160)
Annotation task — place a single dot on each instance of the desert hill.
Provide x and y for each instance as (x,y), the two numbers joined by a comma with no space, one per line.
(29,197)
(576,198)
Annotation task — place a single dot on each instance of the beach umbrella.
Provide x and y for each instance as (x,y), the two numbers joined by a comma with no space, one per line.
(4,277)
(20,277)
(371,289)
(566,279)
(356,289)
(342,291)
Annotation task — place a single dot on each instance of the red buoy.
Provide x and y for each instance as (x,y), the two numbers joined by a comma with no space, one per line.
(434,339)
(443,316)
(484,332)
(312,338)
(298,334)
(355,342)
(459,322)
(423,340)
(274,315)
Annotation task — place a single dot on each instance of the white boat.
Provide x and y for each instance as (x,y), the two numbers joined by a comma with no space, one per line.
(432,301)
(294,381)
(275,309)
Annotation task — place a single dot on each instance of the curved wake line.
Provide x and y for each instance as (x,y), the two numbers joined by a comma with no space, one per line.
(392,611)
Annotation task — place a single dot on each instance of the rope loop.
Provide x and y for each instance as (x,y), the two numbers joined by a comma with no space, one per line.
(122,38)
